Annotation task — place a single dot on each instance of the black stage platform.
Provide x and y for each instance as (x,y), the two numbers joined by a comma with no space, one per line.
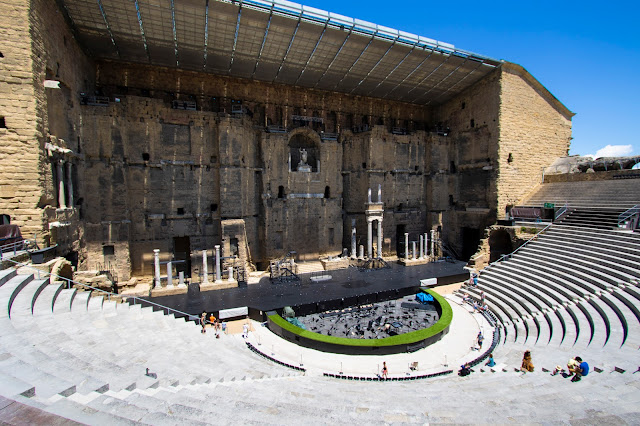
(345,283)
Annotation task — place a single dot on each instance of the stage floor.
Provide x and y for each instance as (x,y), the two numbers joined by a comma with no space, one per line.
(344,283)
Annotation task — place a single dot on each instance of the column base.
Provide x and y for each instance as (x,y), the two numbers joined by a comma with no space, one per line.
(414,262)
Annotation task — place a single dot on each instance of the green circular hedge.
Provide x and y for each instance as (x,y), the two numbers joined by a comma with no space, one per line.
(323,342)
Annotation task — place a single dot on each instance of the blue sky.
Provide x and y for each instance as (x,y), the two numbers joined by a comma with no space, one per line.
(587,54)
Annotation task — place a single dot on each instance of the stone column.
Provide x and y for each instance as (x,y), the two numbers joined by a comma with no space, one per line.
(230,273)
(421,248)
(353,238)
(61,195)
(205,268)
(379,238)
(361,254)
(156,263)
(414,249)
(369,236)
(369,196)
(70,183)
(169,275)
(433,245)
(426,245)
(406,246)
(181,283)
(218,275)
(379,193)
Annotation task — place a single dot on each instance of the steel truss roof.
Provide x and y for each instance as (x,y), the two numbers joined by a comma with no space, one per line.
(277,41)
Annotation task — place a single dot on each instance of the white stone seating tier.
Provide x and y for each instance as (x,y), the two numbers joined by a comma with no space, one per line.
(606,194)
(582,274)
(84,358)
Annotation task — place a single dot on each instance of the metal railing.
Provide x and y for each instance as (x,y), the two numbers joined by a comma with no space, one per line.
(17,246)
(108,294)
(628,215)
(561,211)
(508,256)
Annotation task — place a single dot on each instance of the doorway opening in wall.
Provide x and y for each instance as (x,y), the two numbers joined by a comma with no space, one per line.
(233,247)
(470,241)
(400,230)
(182,251)
(499,244)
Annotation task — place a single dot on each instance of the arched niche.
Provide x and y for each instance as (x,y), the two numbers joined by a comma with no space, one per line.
(304,150)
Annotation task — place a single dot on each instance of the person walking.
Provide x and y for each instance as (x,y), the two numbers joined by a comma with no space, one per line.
(385,371)
(245,331)
(203,322)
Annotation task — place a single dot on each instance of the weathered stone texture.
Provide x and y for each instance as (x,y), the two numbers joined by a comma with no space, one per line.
(146,175)
(20,188)
(535,129)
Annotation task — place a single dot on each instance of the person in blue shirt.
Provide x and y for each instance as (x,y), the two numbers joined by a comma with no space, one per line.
(582,370)
(491,362)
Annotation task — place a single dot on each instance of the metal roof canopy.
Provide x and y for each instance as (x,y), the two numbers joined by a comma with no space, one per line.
(277,41)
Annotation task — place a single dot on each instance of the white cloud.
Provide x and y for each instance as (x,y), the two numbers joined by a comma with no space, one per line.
(614,151)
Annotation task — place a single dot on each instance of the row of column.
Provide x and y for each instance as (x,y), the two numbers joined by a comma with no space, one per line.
(370,238)
(424,246)
(65,183)
(205,269)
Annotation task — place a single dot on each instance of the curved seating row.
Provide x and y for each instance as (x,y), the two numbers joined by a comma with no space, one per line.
(569,287)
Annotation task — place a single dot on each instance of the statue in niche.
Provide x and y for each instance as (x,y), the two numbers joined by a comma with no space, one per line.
(302,165)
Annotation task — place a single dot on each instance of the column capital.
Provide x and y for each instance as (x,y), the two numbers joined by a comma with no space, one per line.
(156,251)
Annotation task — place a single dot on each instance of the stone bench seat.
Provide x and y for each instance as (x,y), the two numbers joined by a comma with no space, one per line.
(613,275)
(611,257)
(601,261)
(577,274)
(544,324)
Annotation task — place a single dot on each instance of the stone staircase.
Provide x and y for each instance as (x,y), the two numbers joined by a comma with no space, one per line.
(592,218)
(83,358)
(616,194)
(571,287)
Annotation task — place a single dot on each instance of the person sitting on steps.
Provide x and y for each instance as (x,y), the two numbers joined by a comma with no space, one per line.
(491,362)
(465,370)
(527,365)
(582,370)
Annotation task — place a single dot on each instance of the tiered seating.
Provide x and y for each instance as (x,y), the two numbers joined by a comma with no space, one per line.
(618,194)
(592,217)
(62,342)
(84,358)
(571,286)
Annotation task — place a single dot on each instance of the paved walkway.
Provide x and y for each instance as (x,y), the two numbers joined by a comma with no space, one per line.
(454,349)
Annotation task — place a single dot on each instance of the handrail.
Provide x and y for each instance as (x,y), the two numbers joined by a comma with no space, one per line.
(108,293)
(562,211)
(629,213)
(13,247)
(507,256)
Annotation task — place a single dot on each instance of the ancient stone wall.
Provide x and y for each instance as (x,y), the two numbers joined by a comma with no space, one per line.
(397,163)
(535,129)
(178,160)
(37,46)
(21,131)
(462,193)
